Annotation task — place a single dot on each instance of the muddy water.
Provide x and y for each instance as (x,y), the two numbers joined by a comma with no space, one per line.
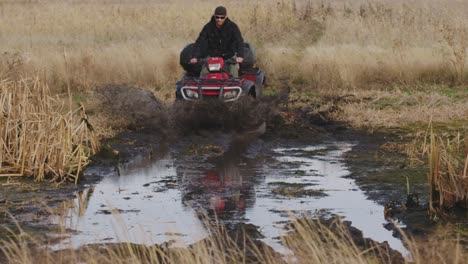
(171,198)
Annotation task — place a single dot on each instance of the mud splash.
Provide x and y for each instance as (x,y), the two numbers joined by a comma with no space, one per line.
(172,198)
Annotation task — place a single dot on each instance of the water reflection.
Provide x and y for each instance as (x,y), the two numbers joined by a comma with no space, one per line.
(166,199)
(322,169)
(139,205)
(222,192)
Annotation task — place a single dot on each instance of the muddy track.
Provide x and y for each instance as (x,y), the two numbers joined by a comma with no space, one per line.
(216,159)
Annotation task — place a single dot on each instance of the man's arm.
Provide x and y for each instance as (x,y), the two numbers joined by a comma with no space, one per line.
(201,43)
(239,41)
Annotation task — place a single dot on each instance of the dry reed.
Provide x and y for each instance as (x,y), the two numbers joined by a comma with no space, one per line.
(39,136)
(448,175)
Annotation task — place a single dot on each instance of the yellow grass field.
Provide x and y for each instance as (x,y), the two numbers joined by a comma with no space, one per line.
(319,44)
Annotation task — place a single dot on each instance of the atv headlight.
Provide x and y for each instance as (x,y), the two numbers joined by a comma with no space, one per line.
(230,94)
(214,66)
(191,94)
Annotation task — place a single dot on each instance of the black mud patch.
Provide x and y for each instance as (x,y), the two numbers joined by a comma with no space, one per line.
(129,107)
(29,205)
(297,192)
(291,184)
(117,211)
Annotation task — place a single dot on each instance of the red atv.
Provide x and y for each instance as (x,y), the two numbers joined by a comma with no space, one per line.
(217,83)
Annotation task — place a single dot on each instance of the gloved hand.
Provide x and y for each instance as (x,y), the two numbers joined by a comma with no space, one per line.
(239,59)
(193,60)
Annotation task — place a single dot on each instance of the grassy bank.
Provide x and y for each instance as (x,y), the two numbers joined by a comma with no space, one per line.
(339,44)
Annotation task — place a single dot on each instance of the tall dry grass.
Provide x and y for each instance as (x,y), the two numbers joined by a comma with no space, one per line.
(325,45)
(314,242)
(311,242)
(40,134)
(321,245)
(448,175)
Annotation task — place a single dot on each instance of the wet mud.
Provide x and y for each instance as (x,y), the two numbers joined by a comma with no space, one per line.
(175,193)
(387,178)
(249,166)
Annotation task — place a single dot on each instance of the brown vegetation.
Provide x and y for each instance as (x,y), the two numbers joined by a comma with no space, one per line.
(448,175)
(446,153)
(405,108)
(39,136)
(311,241)
(338,44)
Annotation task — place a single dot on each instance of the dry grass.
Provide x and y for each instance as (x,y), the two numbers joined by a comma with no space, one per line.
(405,108)
(439,247)
(337,44)
(447,158)
(311,242)
(316,243)
(448,175)
(39,136)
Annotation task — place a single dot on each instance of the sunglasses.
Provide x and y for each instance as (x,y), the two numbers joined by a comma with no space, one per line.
(220,17)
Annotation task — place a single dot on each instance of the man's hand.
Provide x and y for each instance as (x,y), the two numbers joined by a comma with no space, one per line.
(239,59)
(193,60)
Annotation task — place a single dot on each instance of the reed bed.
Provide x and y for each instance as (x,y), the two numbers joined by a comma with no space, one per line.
(448,175)
(339,44)
(41,135)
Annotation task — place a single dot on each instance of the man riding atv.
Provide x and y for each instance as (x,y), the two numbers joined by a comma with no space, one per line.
(220,38)
(219,65)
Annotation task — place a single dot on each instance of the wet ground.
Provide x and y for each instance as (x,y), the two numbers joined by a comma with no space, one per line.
(150,188)
(171,193)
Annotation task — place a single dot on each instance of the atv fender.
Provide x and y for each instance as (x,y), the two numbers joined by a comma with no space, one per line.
(178,92)
(248,88)
(259,83)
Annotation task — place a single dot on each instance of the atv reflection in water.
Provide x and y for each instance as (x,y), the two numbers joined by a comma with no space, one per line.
(223,192)
(159,200)
(224,195)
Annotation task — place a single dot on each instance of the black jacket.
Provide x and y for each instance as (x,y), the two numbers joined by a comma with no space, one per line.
(223,42)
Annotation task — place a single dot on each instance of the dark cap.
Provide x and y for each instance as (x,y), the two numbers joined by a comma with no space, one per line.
(220,11)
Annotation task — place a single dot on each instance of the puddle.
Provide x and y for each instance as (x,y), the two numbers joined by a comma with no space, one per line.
(325,172)
(159,201)
(138,211)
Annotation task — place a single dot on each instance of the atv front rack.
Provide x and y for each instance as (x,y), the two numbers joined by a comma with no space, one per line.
(195,89)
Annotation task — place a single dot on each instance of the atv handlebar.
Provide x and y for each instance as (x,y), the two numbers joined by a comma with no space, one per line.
(202,61)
